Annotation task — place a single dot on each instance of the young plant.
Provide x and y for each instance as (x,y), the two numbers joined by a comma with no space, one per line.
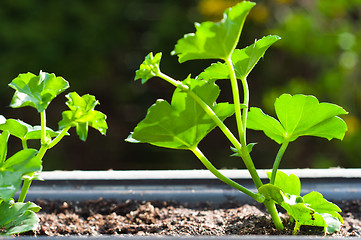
(194,112)
(25,165)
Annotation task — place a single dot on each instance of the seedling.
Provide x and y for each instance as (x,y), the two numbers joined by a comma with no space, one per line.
(194,112)
(25,165)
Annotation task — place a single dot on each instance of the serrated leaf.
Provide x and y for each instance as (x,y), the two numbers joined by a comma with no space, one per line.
(36,91)
(183,123)
(214,40)
(18,217)
(82,114)
(243,60)
(289,184)
(299,115)
(149,68)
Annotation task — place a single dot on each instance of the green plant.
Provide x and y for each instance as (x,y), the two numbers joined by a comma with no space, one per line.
(194,112)
(25,165)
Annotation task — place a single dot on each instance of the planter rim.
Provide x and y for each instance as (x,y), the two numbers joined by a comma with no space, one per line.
(193,174)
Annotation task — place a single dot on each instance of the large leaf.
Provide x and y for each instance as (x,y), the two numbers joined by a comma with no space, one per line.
(183,123)
(214,40)
(12,170)
(299,115)
(18,217)
(149,68)
(36,91)
(243,60)
(82,114)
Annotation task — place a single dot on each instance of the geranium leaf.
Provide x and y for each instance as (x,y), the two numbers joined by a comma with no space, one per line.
(214,40)
(289,184)
(36,91)
(243,60)
(183,123)
(18,217)
(149,68)
(82,114)
(299,115)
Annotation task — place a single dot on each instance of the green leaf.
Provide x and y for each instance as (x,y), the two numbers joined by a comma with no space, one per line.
(258,120)
(149,68)
(4,136)
(36,91)
(289,184)
(18,217)
(299,115)
(214,40)
(321,205)
(273,192)
(183,123)
(243,60)
(12,170)
(82,114)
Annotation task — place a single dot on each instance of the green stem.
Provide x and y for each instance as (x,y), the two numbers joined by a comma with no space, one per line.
(25,189)
(220,176)
(271,207)
(24,143)
(236,97)
(59,137)
(43,127)
(27,181)
(278,159)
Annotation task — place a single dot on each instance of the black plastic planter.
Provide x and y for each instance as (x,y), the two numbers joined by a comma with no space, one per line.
(189,186)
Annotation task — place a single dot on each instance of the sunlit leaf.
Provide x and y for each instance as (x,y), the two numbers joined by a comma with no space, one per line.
(299,115)
(289,184)
(183,123)
(243,60)
(149,68)
(214,40)
(36,91)
(82,115)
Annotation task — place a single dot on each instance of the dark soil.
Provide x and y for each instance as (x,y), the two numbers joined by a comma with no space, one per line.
(169,218)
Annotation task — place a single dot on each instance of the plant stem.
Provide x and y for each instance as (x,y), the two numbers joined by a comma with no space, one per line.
(43,127)
(59,137)
(212,169)
(236,98)
(24,144)
(242,123)
(277,161)
(271,207)
(28,181)
(24,189)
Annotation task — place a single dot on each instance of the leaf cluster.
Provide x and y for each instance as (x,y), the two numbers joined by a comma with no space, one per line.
(25,165)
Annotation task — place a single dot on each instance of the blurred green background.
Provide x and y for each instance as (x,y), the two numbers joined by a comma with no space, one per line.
(98,44)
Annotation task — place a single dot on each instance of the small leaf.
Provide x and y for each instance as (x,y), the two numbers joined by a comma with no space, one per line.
(273,192)
(289,184)
(299,115)
(36,91)
(4,136)
(214,40)
(149,68)
(183,123)
(82,114)
(18,217)
(249,148)
(16,128)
